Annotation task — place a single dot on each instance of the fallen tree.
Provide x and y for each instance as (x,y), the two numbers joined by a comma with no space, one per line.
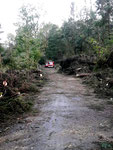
(97,73)
(15,90)
(76,64)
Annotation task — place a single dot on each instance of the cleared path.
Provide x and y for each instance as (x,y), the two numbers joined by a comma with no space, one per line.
(67,117)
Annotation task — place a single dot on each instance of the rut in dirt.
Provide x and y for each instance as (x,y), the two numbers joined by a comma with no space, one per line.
(65,119)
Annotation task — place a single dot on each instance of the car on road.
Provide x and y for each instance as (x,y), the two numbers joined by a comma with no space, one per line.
(50,64)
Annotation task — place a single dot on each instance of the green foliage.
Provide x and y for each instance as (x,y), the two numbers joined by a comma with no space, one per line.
(105,11)
(14,106)
(42,60)
(24,51)
(97,48)
(43,36)
(1,48)
(55,47)
(91,33)
(106,146)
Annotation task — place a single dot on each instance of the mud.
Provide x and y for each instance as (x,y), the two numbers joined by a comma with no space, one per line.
(67,116)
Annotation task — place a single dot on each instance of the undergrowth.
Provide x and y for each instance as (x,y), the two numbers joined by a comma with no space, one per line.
(14,106)
(106,146)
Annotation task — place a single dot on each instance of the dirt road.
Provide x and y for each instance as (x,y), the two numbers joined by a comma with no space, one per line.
(67,117)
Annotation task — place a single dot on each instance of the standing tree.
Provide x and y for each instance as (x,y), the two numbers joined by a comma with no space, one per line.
(105,10)
(55,49)
(43,36)
(27,44)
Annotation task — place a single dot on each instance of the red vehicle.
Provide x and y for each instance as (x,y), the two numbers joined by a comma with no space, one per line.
(50,64)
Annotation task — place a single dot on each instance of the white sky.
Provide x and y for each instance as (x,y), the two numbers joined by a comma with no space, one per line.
(55,11)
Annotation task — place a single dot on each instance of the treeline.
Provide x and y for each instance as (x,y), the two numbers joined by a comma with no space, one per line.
(90,33)
(23,50)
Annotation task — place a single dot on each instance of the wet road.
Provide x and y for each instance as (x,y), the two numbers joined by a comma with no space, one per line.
(65,120)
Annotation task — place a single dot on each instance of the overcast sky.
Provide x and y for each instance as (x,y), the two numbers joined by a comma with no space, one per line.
(55,11)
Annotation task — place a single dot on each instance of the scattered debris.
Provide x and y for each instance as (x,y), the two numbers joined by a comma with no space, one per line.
(92,72)
(13,85)
(105,143)
(40,75)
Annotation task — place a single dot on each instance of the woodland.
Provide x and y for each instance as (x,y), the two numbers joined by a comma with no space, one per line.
(82,46)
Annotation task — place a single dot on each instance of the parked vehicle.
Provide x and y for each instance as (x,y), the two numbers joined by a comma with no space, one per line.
(50,64)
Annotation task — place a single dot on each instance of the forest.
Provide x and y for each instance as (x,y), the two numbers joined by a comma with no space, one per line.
(86,39)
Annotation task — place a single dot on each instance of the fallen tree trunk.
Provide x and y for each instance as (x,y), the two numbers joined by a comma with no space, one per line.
(81,75)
